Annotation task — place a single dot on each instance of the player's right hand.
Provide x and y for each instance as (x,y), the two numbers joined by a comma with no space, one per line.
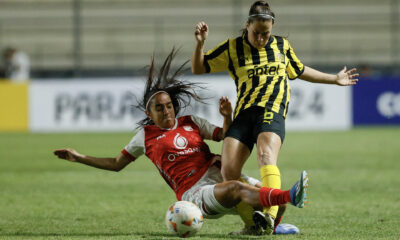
(67,154)
(225,106)
(201,32)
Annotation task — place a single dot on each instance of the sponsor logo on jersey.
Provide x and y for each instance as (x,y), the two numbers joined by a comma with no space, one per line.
(173,156)
(180,142)
(263,70)
(188,128)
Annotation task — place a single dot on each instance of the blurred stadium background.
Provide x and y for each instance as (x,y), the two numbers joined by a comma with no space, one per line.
(87,60)
(95,39)
(79,38)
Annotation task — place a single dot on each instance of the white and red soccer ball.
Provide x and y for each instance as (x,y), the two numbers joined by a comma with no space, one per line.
(184,219)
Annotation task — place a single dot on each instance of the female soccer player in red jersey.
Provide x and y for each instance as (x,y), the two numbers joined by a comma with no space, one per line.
(260,64)
(176,147)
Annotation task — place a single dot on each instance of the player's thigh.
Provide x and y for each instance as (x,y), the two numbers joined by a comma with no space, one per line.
(231,193)
(270,136)
(226,193)
(237,146)
(205,199)
(202,194)
(234,155)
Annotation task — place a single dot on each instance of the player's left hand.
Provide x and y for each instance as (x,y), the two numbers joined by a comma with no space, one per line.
(347,78)
(201,32)
(225,106)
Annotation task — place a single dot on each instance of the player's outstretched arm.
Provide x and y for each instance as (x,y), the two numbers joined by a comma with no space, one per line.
(200,34)
(111,164)
(225,108)
(343,78)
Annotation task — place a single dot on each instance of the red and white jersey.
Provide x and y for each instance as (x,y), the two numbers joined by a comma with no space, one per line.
(179,153)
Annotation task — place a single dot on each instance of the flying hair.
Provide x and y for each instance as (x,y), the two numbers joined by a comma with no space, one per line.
(181,92)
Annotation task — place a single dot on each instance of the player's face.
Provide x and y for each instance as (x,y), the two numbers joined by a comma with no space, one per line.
(162,111)
(259,32)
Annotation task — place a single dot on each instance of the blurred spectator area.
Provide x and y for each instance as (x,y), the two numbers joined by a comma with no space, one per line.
(102,37)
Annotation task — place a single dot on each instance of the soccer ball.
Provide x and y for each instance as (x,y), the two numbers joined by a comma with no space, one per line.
(184,219)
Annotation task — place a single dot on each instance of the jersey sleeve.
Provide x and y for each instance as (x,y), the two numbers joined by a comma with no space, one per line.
(217,59)
(135,147)
(207,130)
(295,67)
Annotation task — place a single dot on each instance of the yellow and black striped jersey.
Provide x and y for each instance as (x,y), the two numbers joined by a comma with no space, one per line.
(261,75)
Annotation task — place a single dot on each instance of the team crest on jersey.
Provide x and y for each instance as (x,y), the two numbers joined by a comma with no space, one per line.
(180,142)
(280,57)
(188,128)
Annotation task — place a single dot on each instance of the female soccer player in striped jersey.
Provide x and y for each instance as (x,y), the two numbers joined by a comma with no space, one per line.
(261,65)
(176,147)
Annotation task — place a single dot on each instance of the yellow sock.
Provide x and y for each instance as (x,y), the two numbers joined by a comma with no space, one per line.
(271,178)
(245,211)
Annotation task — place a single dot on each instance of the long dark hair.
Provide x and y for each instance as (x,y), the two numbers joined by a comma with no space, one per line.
(181,92)
(258,7)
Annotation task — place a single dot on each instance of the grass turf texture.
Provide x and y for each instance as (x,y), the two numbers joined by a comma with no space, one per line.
(354,188)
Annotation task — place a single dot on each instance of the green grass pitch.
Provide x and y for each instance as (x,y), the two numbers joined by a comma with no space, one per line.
(354,188)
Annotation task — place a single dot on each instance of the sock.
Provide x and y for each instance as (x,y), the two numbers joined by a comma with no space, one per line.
(245,211)
(273,197)
(271,178)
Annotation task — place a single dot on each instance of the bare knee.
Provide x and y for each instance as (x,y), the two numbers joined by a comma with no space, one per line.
(234,188)
(231,193)
(228,194)
(230,173)
(268,146)
(266,156)
(241,192)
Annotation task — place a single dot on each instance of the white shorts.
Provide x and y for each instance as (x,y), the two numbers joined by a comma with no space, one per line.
(202,193)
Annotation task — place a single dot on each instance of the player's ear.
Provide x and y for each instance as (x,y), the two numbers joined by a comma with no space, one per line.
(148,114)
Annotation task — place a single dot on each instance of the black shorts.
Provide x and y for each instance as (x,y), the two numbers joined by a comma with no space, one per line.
(254,120)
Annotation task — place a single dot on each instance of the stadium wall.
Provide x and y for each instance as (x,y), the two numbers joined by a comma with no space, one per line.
(84,105)
(13,106)
(377,102)
(107,104)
